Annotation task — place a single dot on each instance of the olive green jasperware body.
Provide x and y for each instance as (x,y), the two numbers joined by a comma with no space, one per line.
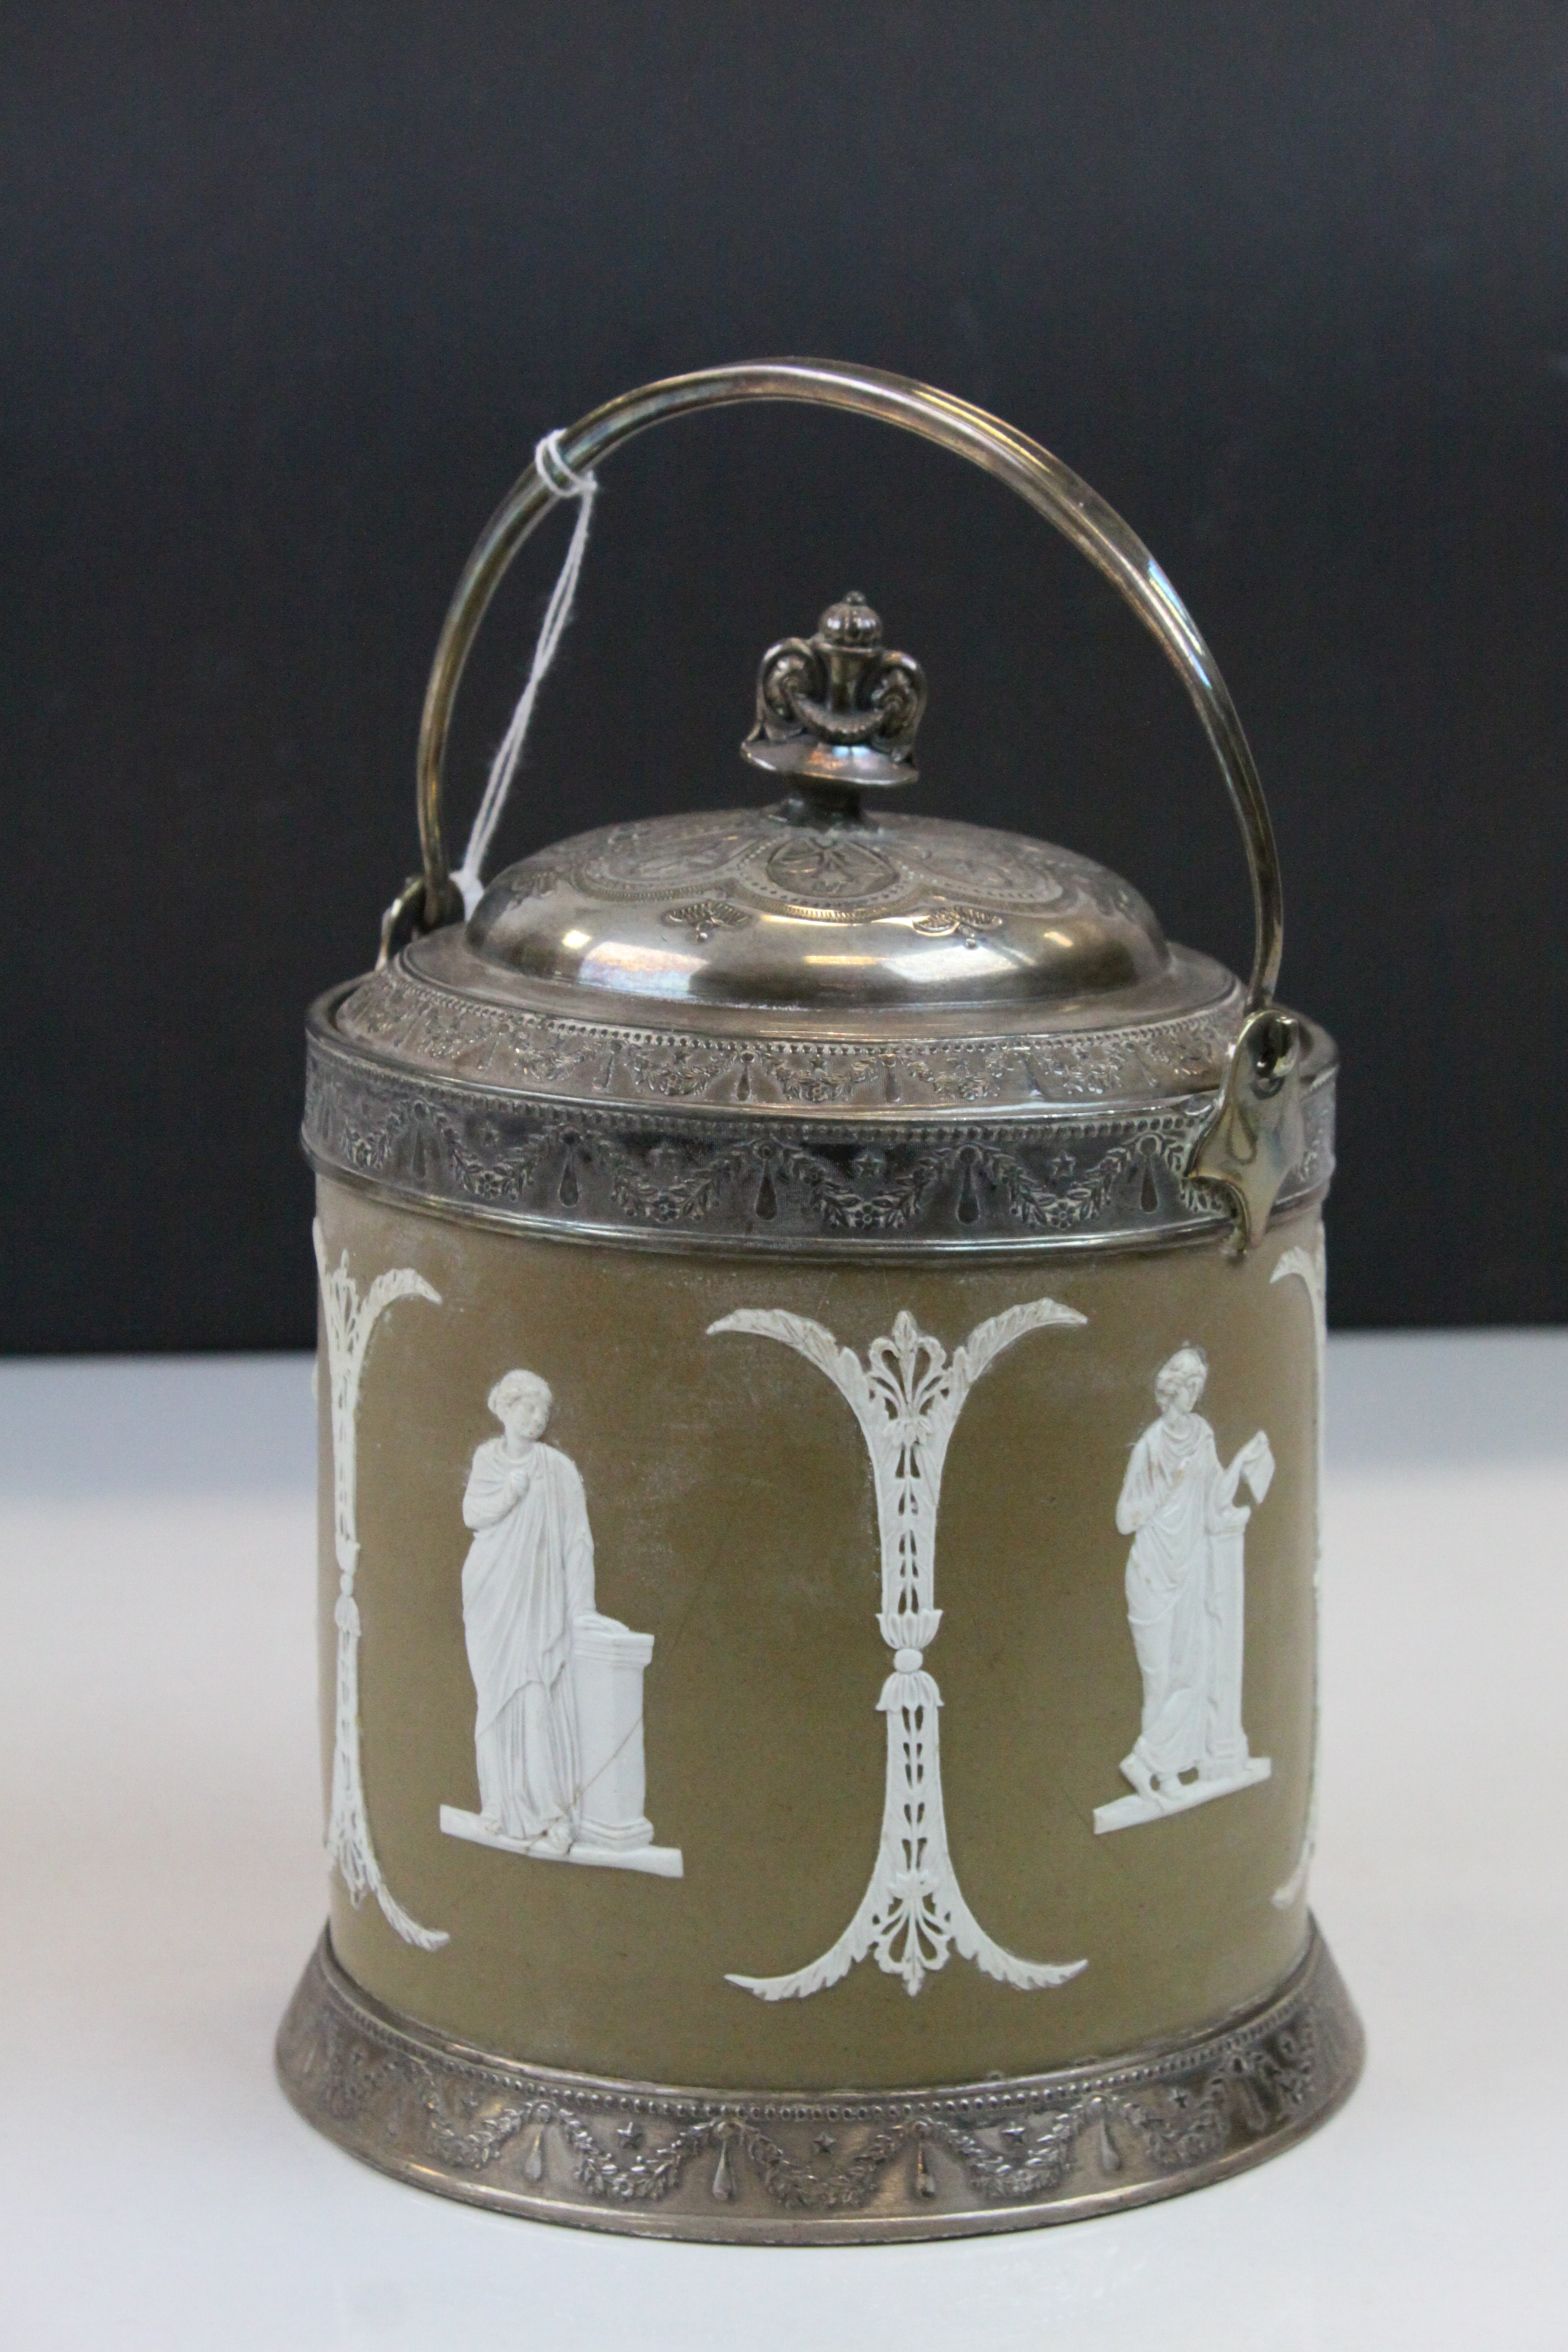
(850,1175)
(730,1497)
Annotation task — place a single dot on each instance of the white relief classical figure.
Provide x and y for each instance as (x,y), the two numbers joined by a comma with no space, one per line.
(349,1321)
(907,1397)
(558,1743)
(1310,1267)
(1185,1577)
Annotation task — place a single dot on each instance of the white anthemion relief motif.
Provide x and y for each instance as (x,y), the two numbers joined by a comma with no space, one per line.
(558,1688)
(350,1321)
(906,1397)
(1185,1579)
(1310,1266)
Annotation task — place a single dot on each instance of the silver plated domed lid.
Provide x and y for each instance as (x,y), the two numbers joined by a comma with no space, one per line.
(826,903)
(819,1021)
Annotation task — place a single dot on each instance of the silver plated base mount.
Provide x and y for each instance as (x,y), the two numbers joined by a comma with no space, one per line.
(772,2168)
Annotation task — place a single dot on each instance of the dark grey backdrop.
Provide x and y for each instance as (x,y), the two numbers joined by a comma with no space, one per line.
(289,292)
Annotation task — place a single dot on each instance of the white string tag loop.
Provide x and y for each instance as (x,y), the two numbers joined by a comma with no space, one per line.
(563,482)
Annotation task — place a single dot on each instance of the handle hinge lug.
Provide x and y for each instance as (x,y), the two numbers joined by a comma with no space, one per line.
(1255,1136)
(411,914)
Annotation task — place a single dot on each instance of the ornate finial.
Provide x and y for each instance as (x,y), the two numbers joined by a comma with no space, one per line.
(837,712)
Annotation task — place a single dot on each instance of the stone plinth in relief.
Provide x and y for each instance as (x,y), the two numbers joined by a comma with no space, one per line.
(558,1687)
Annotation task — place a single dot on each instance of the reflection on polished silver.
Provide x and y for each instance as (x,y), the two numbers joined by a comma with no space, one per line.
(759,1181)
(410,1013)
(904,912)
(708,911)
(833,2166)
(1254,1138)
(1041,480)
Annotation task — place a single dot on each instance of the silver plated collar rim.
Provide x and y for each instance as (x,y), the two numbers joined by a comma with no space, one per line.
(679,1176)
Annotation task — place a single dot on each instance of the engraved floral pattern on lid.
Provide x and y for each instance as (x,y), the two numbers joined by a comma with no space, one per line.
(406,1014)
(1035,923)
(822,1019)
(729,906)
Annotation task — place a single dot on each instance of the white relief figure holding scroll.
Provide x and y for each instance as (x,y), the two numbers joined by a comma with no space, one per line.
(557,1686)
(1185,1588)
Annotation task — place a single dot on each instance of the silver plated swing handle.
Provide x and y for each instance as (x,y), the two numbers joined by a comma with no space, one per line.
(1040,479)
(1243,1147)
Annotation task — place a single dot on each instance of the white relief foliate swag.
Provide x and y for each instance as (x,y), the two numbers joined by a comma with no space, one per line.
(1310,1266)
(1185,1604)
(558,1740)
(350,1322)
(906,1397)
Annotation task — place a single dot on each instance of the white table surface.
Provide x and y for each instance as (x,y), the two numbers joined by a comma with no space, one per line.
(162,1884)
